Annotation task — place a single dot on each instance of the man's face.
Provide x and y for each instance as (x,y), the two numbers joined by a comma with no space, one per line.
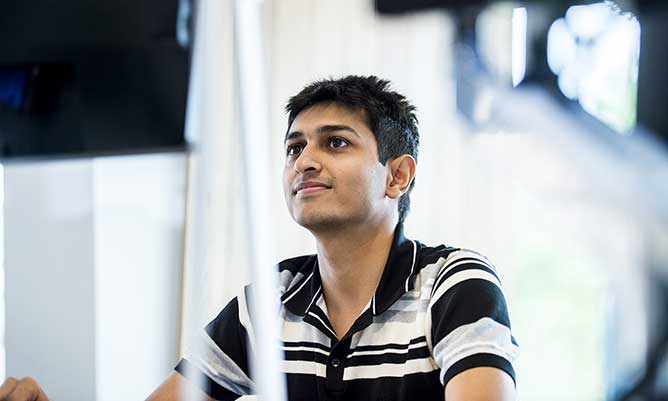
(332,176)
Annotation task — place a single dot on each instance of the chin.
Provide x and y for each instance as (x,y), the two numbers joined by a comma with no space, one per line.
(321,222)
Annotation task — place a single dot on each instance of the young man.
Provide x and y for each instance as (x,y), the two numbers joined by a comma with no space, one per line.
(373,315)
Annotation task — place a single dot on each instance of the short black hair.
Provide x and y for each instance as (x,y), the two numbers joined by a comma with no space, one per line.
(389,115)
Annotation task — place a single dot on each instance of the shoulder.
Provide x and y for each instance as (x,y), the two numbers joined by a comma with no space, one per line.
(437,261)
(441,258)
(464,264)
(465,290)
(467,320)
(466,259)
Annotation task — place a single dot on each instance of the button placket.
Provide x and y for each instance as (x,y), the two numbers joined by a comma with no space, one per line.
(335,366)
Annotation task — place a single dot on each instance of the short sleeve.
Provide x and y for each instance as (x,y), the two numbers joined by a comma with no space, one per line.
(468,315)
(218,358)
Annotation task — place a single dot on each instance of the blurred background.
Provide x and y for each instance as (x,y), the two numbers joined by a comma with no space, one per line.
(127,130)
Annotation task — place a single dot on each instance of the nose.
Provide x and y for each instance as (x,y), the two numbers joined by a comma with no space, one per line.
(308,160)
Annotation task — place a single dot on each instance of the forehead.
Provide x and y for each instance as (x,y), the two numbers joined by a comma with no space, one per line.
(329,113)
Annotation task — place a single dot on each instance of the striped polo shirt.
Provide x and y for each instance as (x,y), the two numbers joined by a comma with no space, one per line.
(437,311)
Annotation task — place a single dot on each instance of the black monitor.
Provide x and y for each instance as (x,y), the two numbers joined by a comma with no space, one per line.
(81,78)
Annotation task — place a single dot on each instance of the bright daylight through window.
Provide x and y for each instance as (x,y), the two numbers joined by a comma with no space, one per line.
(594,50)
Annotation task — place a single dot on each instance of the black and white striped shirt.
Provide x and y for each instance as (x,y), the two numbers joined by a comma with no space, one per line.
(437,311)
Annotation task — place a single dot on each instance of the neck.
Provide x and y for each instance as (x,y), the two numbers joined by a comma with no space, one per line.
(351,263)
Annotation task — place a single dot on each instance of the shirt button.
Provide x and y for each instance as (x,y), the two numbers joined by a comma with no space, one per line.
(336,362)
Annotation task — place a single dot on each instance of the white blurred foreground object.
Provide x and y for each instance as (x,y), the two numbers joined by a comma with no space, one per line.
(227,88)
(254,103)
(209,114)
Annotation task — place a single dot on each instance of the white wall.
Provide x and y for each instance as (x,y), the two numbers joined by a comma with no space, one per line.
(138,230)
(49,276)
(93,250)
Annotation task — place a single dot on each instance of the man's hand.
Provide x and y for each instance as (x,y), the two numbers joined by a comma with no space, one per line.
(25,389)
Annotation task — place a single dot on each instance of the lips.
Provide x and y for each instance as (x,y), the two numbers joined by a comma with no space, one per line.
(310,186)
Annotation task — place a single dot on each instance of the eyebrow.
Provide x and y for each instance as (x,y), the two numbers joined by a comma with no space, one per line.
(323,129)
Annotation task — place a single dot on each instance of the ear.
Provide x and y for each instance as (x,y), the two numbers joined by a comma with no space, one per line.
(400,174)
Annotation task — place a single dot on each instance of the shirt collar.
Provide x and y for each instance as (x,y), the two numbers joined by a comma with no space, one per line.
(300,296)
(397,278)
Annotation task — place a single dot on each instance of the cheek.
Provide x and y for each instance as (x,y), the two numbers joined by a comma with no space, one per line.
(379,181)
(370,182)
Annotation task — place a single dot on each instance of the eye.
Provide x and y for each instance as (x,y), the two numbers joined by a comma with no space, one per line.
(294,149)
(337,142)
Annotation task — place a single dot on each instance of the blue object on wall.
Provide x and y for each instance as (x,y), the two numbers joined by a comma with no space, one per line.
(12,85)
